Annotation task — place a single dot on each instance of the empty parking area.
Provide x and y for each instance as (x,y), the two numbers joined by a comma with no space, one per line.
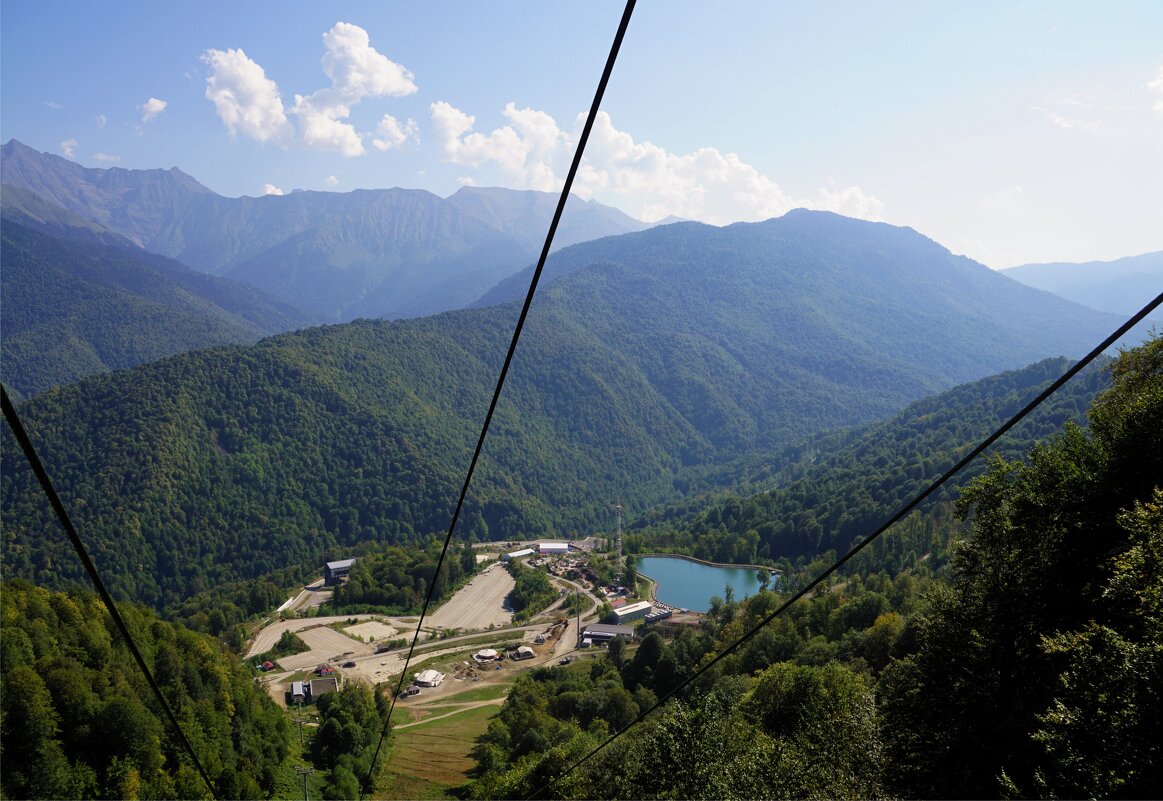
(478,604)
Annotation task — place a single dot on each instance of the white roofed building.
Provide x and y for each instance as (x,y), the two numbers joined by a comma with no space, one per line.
(429,678)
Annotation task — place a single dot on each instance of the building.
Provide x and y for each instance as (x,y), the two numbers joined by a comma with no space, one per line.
(603,633)
(633,611)
(320,687)
(524,652)
(552,548)
(334,572)
(655,617)
(298,691)
(408,692)
(429,678)
(521,554)
(486,655)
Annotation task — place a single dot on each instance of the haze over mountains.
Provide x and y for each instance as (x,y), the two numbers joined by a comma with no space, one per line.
(1122,286)
(649,357)
(370,253)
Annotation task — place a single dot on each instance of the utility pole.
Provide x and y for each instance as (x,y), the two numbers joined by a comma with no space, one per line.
(305,772)
(299,719)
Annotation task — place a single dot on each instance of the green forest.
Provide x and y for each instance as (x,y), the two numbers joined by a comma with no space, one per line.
(1028,666)
(80,721)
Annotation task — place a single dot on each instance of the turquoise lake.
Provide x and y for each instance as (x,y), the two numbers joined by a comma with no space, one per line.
(690,585)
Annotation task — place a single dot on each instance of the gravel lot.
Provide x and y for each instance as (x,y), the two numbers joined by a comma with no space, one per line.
(478,604)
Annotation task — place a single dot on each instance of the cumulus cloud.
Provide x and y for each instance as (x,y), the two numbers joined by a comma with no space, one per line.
(101,120)
(357,71)
(69,148)
(106,157)
(650,182)
(390,133)
(1156,87)
(151,108)
(244,97)
(525,150)
(332,180)
(271,189)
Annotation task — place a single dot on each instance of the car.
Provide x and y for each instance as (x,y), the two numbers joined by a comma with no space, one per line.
(349,664)
(563,661)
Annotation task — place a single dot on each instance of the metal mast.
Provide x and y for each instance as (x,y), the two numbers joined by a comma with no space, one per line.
(618,541)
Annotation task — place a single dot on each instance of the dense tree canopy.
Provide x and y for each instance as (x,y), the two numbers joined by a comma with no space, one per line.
(79,719)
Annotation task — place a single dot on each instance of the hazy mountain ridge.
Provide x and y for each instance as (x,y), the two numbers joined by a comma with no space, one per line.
(377,253)
(1122,286)
(76,307)
(692,346)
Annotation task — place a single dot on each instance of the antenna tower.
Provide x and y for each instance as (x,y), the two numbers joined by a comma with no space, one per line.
(618,540)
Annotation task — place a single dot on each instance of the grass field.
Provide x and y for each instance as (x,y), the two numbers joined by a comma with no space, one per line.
(431,760)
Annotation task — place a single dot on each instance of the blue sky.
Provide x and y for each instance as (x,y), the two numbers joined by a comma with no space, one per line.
(1011,132)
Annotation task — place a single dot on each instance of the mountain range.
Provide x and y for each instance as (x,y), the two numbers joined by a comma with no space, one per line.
(647,357)
(76,300)
(1122,286)
(387,253)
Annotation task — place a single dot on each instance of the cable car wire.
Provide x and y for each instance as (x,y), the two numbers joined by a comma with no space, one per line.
(58,506)
(899,515)
(573,168)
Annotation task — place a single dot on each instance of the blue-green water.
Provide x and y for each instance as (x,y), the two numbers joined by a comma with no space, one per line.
(690,585)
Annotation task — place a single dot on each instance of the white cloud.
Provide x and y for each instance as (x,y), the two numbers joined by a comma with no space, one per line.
(52,105)
(1156,87)
(332,181)
(250,102)
(466,180)
(271,189)
(645,179)
(389,133)
(69,148)
(244,97)
(151,108)
(357,71)
(106,157)
(525,150)
(101,120)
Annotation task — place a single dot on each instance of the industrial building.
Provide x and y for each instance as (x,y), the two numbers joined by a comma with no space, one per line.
(334,572)
(521,554)
(633,611)
(599,633)
(552,548)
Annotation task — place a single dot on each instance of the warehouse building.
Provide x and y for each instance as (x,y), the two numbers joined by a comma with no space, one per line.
(601,633)
(633,612)
(521,554)
(552,548)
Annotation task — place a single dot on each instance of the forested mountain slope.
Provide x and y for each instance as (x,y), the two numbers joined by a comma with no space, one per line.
(835,488)
(72,308)
(706,346)
(80,721)
(1032,672)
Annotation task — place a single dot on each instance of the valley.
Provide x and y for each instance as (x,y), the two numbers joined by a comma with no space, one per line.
(758,394)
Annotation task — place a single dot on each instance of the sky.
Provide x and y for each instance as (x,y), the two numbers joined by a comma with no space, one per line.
(1011,132)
